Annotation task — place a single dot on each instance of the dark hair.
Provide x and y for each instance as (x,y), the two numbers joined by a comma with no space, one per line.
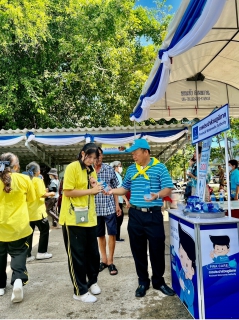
(233,162)
(32,168)
(188,244)
(199,149)
(99,149)
(10,160)
(145,150)
(88,148)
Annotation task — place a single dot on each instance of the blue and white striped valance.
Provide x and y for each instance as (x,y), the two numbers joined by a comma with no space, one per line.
(117,139)
(10,140)
(191,23)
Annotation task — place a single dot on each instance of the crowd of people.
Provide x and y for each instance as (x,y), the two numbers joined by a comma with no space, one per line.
(90,202)
(190,189)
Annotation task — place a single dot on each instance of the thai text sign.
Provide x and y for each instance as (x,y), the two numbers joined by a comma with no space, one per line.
(213,124)
(203,168)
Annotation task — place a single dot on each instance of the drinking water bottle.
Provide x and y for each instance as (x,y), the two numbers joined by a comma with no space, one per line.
(104,185)
(221,198)
(147,194)
(213,198)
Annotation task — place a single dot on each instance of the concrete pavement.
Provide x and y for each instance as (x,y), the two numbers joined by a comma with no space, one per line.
(48,295)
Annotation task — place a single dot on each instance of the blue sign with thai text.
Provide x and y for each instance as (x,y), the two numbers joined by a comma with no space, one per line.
(213,124)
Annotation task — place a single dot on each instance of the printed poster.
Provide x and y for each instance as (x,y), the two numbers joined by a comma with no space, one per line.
(183,263)
(203,168)
(112,149)
(220,259)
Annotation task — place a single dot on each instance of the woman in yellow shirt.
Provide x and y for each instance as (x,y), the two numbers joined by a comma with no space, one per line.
(16,190)
(37,213)
(79,221)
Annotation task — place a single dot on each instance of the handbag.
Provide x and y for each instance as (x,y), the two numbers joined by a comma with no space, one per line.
(81,213)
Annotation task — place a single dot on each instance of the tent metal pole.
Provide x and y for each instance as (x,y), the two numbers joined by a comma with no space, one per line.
(227,173)
(197,188)
(134,129)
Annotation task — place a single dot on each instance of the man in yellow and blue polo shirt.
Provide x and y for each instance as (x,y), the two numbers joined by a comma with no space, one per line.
(145,216)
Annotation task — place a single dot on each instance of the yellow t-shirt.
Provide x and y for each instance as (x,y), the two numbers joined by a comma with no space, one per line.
(14,217)
(76,178)
(37,209)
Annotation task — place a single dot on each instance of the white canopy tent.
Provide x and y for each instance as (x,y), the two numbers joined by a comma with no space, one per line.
(203,76)
(61,146)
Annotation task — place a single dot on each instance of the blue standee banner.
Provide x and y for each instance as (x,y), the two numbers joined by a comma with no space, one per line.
(220,266)
(212,125)
(183,263)
(203,168)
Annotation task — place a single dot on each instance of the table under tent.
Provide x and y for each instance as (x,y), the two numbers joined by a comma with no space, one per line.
(196,70)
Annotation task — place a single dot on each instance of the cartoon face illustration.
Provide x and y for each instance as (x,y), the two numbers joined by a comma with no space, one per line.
(221,245)
(186,263)
(221,250)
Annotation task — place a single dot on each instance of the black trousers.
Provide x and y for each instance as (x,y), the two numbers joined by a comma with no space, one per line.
(83,256)
(51,209)
(147,228)
(43,226)
(119,221)
(18,252)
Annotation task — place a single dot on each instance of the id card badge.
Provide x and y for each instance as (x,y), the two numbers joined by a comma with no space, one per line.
(81,214)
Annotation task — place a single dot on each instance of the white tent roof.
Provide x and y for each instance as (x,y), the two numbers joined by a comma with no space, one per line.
(216,57)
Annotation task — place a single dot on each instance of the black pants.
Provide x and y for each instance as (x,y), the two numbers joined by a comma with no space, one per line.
(147,228)
(18,252)
(43,226)
(51,209)
(119,221)
(83,256)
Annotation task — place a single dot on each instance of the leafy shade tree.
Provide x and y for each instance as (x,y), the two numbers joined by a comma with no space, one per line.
(74,62)
(218,153)
(177,165)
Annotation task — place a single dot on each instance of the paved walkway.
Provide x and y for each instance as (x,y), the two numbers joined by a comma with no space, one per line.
(49,291)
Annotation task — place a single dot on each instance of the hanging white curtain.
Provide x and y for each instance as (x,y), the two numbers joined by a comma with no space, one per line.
(61,141)
(9,142)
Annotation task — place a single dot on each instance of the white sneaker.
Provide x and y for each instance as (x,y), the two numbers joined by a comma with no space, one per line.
(17,292)
(41,256)
(31,258)
(95,289)
(2,291)
(87,297)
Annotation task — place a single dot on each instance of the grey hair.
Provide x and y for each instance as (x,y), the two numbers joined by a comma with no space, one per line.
(33,167)
(115,164)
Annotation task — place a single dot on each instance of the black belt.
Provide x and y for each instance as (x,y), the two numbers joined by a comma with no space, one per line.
(156,208)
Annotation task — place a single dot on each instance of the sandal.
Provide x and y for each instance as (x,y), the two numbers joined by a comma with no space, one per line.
(102,266)
(111,268)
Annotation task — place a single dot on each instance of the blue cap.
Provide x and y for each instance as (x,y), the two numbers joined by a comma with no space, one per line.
(137,144)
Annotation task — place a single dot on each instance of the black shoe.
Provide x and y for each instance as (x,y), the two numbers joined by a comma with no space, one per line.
(119,240)
(166,290)
(141,291)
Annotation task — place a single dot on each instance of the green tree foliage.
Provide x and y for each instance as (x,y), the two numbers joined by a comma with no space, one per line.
(74,62)
(218,153)
(177,165)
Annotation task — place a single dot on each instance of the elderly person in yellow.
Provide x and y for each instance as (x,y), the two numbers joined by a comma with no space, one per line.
(16,190)
(37,213)
(79,221)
